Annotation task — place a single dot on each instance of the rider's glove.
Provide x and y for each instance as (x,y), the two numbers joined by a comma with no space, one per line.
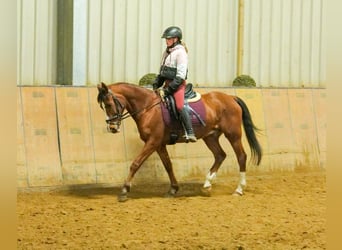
(158,82)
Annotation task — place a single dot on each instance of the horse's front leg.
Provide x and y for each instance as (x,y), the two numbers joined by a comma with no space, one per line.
(147,150)
(164,156)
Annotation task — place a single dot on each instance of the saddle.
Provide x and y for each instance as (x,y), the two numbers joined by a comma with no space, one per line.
(192,103)
(190,93)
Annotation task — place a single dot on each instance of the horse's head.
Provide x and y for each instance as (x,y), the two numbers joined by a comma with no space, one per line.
(112,106)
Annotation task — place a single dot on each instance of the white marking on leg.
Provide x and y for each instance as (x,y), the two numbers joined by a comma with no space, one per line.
(243,179)
(125,188)
(242,184)
(208,179)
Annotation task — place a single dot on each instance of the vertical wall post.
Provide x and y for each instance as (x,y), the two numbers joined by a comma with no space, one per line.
(64,41)
(240,37)
(80,44)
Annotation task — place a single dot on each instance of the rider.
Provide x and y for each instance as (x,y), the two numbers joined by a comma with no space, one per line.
(173,71)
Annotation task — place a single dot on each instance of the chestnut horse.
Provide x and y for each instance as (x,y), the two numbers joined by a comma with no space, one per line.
(225,114)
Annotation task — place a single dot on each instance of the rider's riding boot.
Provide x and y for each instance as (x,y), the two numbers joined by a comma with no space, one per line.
(189,132)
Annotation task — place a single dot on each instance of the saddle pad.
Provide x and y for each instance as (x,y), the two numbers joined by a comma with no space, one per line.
(196,98)
(174,123)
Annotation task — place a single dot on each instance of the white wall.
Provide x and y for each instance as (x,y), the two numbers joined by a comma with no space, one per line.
(119,40)
(37,42)
(284,42)
(123,38)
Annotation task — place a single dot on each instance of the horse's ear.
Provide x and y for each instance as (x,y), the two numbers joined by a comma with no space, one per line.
(103,90)
(102,87)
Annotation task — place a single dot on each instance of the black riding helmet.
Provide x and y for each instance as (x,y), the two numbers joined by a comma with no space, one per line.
(172,31)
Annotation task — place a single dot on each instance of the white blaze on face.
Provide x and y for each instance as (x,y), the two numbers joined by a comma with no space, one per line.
(104,110)
(114,128)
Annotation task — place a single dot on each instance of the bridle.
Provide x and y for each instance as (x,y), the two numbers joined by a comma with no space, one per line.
(120,115)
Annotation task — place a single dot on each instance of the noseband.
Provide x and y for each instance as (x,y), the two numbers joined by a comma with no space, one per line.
(119,116)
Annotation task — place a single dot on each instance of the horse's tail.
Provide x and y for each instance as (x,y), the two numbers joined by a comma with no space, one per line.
(250,129)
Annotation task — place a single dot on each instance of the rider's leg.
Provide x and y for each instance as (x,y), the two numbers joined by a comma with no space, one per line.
(185,117)
(183,112)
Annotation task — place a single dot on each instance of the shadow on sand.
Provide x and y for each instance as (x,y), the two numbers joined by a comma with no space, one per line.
(187,189)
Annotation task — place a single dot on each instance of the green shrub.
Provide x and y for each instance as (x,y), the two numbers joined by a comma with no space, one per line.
(147,79)
(244,80)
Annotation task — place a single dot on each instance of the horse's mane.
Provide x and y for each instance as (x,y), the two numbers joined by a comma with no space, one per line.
(126,84)
(123,88)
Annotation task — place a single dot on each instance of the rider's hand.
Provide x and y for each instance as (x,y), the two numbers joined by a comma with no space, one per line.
(155,85)
(167,91)
(158,82)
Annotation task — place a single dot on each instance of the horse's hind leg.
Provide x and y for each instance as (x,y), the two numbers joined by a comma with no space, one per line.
(212,141)
(235,141)
(164,156)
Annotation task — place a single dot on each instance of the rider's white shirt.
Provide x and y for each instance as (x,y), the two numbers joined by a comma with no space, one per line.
(177,58)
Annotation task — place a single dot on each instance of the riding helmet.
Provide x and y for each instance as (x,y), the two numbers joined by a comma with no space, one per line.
(172,31)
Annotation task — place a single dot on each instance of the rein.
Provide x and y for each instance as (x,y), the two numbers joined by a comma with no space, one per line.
(119,117)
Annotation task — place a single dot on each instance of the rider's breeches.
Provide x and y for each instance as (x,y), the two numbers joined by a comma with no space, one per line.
(179,96)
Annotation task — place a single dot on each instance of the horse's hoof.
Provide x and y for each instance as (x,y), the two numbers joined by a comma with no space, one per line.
(122,198)
(237,193)
(169,195)
(206,191)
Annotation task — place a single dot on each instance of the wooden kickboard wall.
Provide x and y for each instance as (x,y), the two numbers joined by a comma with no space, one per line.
(62,137)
